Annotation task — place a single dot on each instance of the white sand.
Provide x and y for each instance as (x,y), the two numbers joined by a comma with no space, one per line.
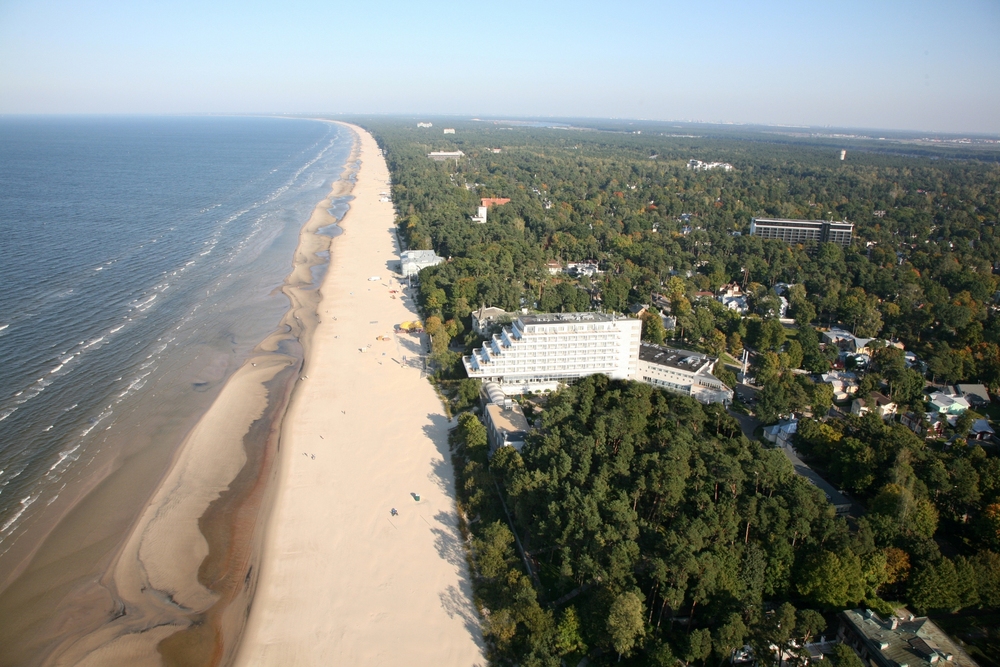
(342,581)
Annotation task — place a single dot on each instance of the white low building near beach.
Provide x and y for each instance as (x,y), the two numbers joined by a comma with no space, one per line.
(537,352)
(412,261)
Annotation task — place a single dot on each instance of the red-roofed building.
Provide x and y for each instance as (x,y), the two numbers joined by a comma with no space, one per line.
(494,201)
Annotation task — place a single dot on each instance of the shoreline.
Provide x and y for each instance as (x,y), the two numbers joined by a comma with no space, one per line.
(364,432)
(180,583)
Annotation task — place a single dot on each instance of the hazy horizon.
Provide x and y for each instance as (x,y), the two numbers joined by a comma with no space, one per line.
(917,66)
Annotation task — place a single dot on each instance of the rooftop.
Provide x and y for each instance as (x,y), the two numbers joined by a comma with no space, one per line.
(789,223)
(907,640)
(417,254)
(665,356)
(510,420)
(549,318)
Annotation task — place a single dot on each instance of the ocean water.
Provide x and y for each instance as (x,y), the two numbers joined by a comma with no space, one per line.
(140,261)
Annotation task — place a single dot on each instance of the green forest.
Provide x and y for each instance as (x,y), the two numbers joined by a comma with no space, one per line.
(639,526)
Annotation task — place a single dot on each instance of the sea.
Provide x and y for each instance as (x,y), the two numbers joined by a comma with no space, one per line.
(141,261)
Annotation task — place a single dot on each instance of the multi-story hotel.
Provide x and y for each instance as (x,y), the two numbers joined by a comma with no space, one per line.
(802,231)
(538,352)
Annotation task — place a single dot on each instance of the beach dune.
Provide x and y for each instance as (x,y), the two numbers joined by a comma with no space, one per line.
(343,581)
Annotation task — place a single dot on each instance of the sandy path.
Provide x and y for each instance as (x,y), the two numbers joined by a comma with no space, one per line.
(342,581)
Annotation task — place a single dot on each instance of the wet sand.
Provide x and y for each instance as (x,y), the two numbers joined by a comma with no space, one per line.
(178,590)
(343,581)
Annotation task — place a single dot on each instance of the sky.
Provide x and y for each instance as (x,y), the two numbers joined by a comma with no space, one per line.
(888,64)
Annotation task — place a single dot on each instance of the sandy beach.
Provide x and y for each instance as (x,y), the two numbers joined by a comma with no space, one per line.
(343,582)
(269,539)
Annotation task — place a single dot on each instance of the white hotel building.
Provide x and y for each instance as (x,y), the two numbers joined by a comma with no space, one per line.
(539,351)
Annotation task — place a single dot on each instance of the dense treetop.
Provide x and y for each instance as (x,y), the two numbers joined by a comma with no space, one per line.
(640,526)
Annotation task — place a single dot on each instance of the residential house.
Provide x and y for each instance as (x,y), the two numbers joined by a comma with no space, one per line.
(781,433)
(587,268)
(737,303)
(554,267)
(732,289)
(879,403)
(948,402)
(484,318)
(638,309)
(976,394)
(981,430)
(936,423)
(846,341)
(844,383)
(913,421)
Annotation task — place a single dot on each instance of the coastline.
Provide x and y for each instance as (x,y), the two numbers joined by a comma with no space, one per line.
(342,581)
(184,575)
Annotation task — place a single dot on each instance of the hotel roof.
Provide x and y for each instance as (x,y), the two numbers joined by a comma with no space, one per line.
(664,356)
(550,318)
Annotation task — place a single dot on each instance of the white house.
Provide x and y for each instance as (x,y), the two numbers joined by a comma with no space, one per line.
(412,261)
(737,303)
(586,268)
